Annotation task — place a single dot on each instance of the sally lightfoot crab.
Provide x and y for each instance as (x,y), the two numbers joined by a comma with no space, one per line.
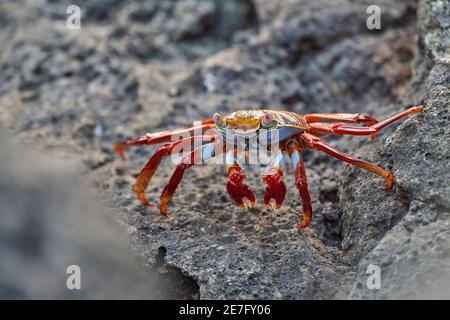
(233,138)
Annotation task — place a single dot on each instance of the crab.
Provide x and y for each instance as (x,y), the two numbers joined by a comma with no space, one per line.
(217,137)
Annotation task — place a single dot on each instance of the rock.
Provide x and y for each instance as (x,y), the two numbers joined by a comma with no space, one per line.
(193,18)
(413,250)
(51,221)
(155,65)
(413,257)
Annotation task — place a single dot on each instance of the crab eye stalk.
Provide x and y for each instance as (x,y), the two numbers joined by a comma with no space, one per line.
(267,120)
(217,119)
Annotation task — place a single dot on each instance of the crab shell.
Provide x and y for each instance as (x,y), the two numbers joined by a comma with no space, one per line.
(250,122)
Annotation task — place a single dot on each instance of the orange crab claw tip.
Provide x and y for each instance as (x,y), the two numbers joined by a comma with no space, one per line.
(148,204)
(141,196)
(163,210)
(164,200)
(118,148)
(301,226)
(416,109)
(389,185)
(306,219)
(389,181)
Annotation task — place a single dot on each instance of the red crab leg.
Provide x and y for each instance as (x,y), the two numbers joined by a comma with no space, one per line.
(235,186)
(161,136)
(317,143)
(340,117)
(273,177)
(149,169)
(203,152)
(301,184)
(338,129)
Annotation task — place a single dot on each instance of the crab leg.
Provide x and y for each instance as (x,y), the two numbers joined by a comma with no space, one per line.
(317,143)
(340,117)
(149,169)
(235,186)
(161,136)
(273,177)
(338,129)
(204,152)
(301,184)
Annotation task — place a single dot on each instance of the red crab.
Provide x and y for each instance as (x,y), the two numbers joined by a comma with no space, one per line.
(295,132)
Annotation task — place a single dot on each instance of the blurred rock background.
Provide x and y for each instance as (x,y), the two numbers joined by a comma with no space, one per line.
(145,65)
(51,220)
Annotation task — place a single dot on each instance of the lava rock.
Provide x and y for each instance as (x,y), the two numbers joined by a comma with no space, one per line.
(136,67)
(413,251)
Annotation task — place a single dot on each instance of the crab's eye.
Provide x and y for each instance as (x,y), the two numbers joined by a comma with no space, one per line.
(217,118)
(267,120)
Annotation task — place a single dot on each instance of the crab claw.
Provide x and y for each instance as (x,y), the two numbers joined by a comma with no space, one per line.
(239,190)
(275,189)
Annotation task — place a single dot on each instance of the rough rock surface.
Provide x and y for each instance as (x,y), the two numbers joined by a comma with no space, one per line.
(414,251)
(147,65)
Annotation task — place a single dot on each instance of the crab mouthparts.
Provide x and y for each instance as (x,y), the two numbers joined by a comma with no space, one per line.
(244,129)
(243,125)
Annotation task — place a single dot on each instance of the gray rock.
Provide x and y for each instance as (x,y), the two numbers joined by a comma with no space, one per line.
(51,220)
(413,258)
(413,252)
(155,65)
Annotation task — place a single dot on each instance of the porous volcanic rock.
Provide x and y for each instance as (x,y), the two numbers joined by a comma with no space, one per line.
(141,66)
